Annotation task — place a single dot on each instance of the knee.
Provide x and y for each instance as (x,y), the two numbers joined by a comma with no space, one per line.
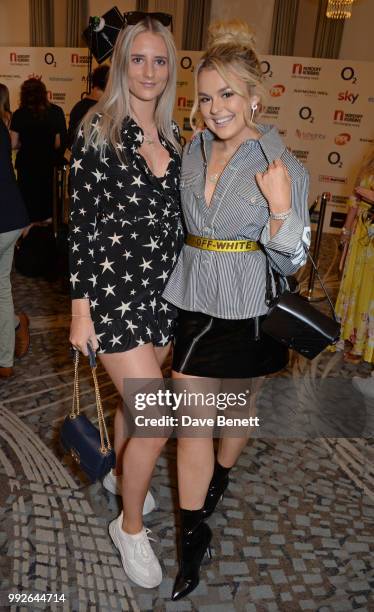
(153,446)
(194,447)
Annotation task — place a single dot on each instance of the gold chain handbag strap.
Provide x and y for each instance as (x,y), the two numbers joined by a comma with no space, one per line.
(75,407)
(104,438)
(105,445)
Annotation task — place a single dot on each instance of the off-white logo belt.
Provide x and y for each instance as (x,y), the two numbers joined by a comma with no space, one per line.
(208,244)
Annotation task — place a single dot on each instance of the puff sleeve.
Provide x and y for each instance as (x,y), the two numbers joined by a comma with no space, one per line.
(85,196)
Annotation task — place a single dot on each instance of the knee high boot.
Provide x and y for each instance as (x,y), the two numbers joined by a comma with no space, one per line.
(194,542)
(217,487)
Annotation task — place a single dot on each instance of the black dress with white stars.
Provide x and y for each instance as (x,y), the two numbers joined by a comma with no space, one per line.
(125,236)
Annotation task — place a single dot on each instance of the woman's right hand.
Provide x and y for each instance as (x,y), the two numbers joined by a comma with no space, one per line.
(82,331)
(366,194)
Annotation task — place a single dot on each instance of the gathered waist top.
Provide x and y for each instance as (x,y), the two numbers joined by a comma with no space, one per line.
(228,284)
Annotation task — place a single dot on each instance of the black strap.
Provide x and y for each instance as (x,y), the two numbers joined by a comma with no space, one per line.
(274,276)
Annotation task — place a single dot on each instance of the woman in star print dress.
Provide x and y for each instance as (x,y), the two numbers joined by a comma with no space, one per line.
(131,250)
(125,236)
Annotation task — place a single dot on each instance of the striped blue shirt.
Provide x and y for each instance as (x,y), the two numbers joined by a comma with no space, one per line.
(231,285)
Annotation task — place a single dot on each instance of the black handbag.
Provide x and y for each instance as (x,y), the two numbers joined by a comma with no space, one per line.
(293,321)
(89,446)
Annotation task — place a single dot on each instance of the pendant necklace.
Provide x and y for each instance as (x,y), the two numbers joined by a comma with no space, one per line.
(213,178)
(147,137)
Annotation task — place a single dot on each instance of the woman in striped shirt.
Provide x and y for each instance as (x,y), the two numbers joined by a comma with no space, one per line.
(244,198)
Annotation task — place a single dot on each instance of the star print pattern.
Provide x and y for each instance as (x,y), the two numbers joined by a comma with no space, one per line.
(125,236)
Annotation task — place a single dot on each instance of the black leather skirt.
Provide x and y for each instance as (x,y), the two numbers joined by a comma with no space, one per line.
(225,348)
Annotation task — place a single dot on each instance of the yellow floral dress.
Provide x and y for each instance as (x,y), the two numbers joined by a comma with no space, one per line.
(355,303)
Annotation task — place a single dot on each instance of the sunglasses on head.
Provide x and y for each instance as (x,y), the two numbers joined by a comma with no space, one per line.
(134,17)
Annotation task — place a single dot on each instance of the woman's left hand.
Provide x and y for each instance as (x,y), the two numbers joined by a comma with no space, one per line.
(275,184)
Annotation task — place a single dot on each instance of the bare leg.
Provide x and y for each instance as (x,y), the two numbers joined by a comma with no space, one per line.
(140,455)
(195,462)
(229,449)
(120,437)
(120,430)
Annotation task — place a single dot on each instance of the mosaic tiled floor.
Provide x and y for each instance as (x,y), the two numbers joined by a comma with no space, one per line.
(295,530)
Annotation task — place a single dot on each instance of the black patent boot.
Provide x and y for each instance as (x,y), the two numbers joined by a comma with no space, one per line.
(194,542)
(217,487)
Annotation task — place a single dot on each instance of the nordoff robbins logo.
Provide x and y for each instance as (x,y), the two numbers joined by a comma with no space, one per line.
(306,71)
(341,116)
(18,58)
(78,60)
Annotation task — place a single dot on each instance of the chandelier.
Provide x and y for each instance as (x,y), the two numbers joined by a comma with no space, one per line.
(339,9)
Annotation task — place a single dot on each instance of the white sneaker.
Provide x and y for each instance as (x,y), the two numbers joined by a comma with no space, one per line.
(112,484)
(364,385)
(138,559)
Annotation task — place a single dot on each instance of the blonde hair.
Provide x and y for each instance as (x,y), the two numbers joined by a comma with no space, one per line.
(114,105)
(231,52)
(367,167)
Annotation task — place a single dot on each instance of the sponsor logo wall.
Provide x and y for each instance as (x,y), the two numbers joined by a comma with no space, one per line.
(63,70)
(326,117)
(322,108)
(324,112)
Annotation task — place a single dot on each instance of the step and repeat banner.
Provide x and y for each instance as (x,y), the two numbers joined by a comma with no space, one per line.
(324,109)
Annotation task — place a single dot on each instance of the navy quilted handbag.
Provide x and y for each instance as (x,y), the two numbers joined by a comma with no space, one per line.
(88,445)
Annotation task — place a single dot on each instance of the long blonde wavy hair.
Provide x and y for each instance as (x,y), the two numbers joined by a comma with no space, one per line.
(114,105)
(231,52)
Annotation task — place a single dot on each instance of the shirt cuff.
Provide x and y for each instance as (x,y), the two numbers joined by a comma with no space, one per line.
(287,237)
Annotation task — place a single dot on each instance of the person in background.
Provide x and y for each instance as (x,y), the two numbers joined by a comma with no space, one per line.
(36,130)
(14,330)
(98,82)
(355,302)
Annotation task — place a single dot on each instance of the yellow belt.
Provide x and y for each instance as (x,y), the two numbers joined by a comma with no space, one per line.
(208,244)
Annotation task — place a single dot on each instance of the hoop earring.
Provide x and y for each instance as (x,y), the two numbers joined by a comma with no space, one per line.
(253,110)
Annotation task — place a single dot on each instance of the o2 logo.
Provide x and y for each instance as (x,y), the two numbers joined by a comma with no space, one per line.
(348,74)
(49,59)
(266,69)
(186,63)
(306,114)
(334,158)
